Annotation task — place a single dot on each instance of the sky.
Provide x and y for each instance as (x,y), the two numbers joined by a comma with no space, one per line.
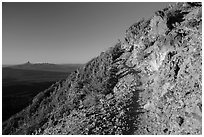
(67,32)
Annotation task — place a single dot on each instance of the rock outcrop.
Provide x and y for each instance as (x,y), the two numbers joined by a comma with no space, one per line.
(148,84)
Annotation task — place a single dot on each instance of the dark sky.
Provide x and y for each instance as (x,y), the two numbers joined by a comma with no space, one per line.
(66,32)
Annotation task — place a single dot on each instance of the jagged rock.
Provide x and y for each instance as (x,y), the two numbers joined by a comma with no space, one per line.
(158,26)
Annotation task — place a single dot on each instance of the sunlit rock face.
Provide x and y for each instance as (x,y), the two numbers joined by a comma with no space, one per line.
(171,75)
(149,84)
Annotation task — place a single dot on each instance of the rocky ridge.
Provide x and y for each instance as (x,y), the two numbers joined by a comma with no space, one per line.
(149,84)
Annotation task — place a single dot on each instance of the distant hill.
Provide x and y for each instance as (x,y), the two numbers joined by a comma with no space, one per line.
(20,75)
(4,65)
(20,83)
(47,67)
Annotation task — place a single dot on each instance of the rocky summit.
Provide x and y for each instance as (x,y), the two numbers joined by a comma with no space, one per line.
(150,83)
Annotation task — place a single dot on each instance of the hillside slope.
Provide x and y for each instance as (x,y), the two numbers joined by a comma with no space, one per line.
(148,84)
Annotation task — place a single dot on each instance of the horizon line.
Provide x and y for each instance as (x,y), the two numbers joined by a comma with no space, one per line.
(38,63)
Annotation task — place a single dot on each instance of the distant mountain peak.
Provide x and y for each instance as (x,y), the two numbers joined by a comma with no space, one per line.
(28,62)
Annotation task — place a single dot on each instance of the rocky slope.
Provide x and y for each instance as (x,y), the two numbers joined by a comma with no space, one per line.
(148,84)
